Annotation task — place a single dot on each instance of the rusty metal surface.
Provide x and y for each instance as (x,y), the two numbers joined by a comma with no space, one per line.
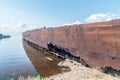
(98,44)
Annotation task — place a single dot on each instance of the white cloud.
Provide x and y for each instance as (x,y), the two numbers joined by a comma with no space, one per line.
(100,17)
(74,23)
(15,28)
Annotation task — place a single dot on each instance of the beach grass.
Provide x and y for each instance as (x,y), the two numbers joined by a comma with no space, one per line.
(33,78)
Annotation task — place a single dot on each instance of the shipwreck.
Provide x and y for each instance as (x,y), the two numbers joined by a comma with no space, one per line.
(94,44)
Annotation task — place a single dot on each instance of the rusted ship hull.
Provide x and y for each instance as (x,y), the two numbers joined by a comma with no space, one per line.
(97,44)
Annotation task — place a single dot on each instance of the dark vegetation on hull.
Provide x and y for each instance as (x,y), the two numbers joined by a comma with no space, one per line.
(62,51)
(111,71)
(4,36)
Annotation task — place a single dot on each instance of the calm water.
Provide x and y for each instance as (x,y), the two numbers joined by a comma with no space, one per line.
(19,58)
(13,60)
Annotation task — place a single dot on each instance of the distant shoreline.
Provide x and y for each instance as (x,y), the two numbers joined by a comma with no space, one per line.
(4,36)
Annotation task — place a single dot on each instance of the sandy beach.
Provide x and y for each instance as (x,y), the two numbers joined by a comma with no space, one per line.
(80,72)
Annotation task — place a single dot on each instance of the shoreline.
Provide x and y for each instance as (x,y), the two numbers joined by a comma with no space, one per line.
(77,72)
(80,72)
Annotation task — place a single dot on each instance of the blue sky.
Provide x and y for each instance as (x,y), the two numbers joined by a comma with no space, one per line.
(56,12)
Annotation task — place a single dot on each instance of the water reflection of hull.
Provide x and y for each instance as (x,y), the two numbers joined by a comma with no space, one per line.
(44,62)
